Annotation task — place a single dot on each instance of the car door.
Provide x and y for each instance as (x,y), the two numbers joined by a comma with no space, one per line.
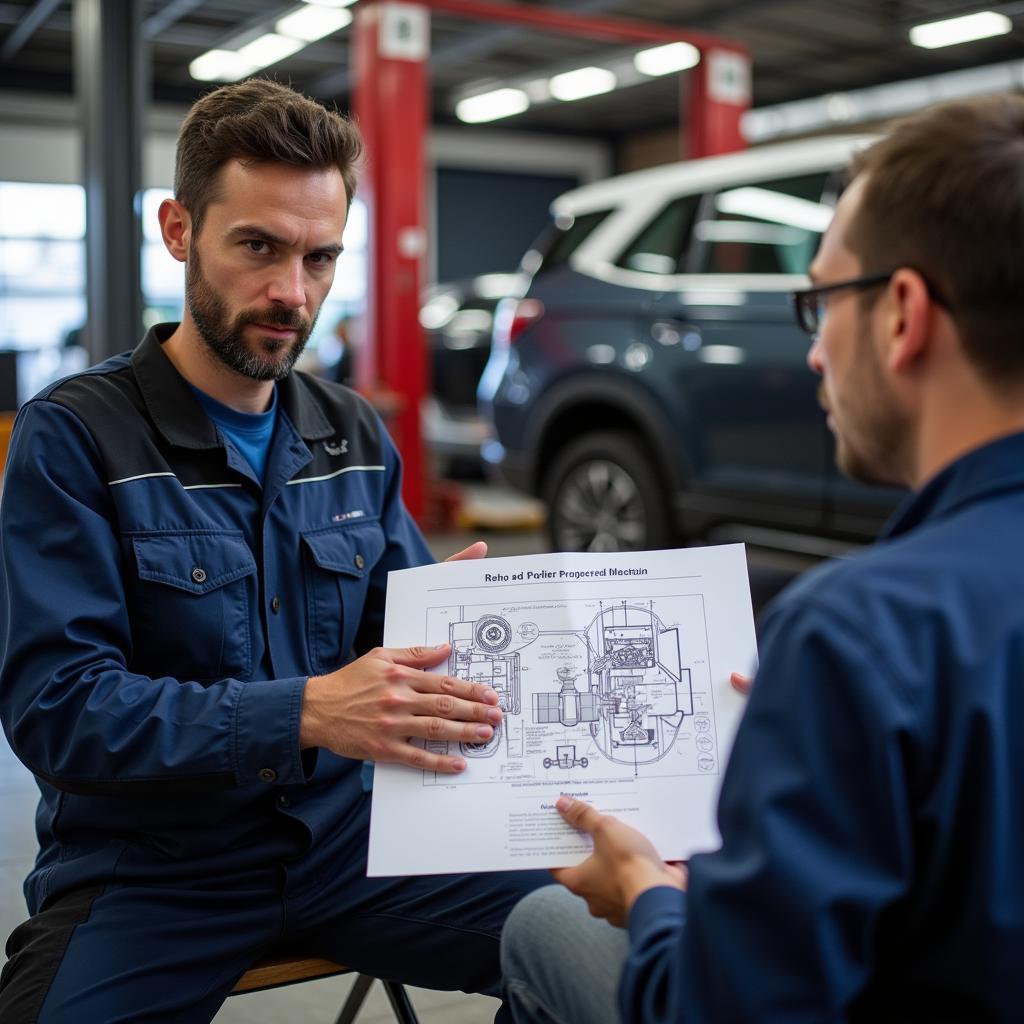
(757,439)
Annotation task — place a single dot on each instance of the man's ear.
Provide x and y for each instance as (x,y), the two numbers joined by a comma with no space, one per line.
(176,228)
(909,319)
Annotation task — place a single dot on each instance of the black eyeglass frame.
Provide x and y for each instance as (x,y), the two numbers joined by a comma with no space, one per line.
(807,315)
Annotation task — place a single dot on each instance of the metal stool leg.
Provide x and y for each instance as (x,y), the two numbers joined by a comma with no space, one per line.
(399,1000)
(354,1003)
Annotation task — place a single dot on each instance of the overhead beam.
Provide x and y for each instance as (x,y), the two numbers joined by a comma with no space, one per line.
(480,43)
(167,16)
(27,26)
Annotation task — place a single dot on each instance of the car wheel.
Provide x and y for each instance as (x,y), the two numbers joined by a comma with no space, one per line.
(603,494)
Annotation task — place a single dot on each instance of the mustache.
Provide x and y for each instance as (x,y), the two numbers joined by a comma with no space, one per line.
(286,318)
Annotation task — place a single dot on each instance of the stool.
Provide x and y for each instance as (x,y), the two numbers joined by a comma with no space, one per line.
(276,971)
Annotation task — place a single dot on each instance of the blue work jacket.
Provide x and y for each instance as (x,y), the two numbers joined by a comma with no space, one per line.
(162,612)
(872,811)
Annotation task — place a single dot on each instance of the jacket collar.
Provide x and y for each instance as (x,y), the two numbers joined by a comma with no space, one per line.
(179,416)
(994,468)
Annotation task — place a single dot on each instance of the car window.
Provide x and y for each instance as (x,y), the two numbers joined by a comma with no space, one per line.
(771,227)
(565,235)
(661,246)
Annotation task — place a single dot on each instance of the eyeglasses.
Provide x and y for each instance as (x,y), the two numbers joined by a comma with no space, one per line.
(809,303)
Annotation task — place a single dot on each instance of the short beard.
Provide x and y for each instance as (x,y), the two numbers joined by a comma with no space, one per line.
(877,452)
(224,337)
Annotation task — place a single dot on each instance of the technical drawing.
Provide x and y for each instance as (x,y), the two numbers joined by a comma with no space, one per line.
(604,683)
(568,706)
(644,692)
(477,657)
(565,757)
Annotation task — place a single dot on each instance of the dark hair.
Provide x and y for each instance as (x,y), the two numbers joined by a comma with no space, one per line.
(944,193)
(259,121)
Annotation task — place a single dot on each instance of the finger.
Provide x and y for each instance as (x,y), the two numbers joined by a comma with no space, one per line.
(566,877)
(434,682)
(741,683)
(416,757)
(578,814)
(440,729)
(478,549)
(444,705)
(415,657)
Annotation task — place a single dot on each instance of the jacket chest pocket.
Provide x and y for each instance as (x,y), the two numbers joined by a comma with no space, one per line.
(338,564)
(191,600)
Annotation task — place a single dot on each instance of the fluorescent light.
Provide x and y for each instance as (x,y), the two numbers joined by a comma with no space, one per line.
(329,3)
(220,65)
(269,49)
(966,29)
(489,106)
(663,60)
(311,23)
(581,83)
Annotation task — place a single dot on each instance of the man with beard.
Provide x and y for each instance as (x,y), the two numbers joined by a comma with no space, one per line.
(872,811)
(195,549)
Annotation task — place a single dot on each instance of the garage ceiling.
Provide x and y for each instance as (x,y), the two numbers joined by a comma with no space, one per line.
(800,48)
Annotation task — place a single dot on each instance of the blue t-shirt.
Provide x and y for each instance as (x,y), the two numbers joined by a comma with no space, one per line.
(249,432)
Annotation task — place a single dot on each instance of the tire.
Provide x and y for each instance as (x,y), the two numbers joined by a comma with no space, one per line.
(603,493)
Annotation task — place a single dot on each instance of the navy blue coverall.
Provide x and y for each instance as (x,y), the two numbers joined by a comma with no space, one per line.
(161,612)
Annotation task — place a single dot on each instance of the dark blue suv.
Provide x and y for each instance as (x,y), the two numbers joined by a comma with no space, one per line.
(652,382)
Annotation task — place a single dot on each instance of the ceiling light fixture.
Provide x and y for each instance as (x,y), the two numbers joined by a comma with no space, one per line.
(663,60)
(329,3)
(581,83)
(310,23)
(269,49)
(220,66)
(965,29)
(490,106)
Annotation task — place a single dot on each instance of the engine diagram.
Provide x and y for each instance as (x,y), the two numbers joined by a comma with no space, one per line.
(595,688)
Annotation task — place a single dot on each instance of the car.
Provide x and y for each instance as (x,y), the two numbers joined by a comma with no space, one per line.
(457,318)
(651,383)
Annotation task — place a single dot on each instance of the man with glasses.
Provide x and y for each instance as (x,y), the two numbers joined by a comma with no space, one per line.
(872,813)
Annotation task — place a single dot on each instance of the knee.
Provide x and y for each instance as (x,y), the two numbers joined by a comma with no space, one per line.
(540,921)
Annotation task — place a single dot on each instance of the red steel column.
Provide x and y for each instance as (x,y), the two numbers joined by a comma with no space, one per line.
(392,44)
(717,92)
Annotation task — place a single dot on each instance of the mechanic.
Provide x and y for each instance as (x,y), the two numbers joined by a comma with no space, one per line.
(195,548)
(872,811)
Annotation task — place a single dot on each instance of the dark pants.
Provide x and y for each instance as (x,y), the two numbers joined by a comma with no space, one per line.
(172,952)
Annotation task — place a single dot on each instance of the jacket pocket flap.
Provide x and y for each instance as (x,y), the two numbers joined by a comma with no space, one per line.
(196,562)
(352,550)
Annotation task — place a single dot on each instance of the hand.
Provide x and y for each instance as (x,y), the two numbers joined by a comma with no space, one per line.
(741,683)
(478,549)
(623,865)
(372,707)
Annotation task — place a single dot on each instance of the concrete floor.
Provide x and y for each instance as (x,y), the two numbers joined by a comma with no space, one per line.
(318,1000)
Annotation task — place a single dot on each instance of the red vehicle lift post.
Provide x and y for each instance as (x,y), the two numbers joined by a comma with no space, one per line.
(391,103)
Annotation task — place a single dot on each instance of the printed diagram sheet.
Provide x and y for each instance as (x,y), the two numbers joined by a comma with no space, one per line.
(612,673)
(608,698)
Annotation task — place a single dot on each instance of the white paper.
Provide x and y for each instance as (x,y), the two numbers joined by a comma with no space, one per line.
(613,673)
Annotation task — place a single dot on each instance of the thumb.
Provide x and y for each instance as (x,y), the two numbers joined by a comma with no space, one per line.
(578,814)
(478,549)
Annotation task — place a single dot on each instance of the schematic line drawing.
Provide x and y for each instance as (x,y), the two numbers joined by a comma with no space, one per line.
(614,687)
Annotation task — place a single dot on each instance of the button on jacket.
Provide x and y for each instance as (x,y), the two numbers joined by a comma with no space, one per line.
(872,813)
(162,612)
